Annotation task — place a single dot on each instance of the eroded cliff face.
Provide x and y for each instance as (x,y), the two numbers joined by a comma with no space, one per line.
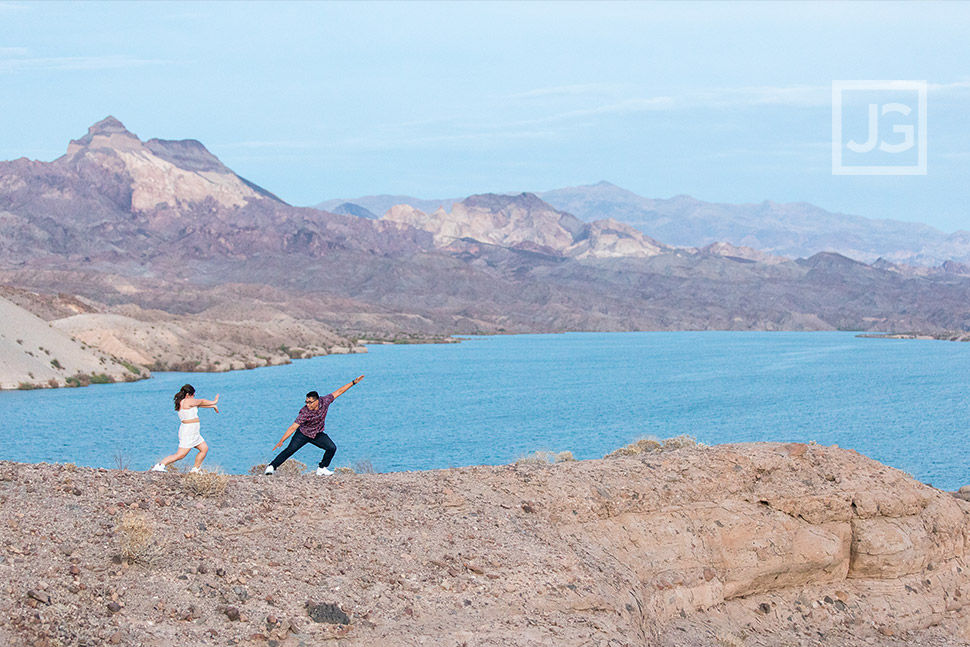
(753,544)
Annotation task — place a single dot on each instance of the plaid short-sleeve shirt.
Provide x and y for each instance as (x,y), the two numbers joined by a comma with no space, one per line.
(311,422)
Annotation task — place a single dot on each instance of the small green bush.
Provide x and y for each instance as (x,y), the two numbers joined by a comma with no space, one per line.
(131,367)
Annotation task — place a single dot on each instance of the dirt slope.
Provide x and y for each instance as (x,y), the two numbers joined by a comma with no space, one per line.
(32,352)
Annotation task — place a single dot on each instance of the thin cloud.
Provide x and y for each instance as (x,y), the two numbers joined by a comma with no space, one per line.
(566,90)
(629,106)
(14,51)
(482,137)
(943,88)
(271,144)
(790,95)
(74,63)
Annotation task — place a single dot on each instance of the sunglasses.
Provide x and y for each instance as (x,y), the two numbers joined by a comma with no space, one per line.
(310,401)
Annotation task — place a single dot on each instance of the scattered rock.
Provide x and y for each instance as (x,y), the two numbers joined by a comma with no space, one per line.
(232,613)
(40,596)
(327,612)
(114,607)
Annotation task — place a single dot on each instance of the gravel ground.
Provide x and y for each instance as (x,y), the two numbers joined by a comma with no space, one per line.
(461,557)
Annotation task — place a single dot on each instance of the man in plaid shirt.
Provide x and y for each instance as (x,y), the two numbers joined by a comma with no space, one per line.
(310,422)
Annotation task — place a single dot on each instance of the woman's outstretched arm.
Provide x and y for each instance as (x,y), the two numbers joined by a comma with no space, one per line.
(205,404)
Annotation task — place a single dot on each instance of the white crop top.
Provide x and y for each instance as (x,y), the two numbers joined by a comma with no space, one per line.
(188,414)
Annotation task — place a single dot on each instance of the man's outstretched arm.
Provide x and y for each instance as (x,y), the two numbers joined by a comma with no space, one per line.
(289,432)
(336,394)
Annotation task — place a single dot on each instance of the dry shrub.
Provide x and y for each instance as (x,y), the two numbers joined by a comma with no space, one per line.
(544,457)
(344,470)
(363,466)
(205,483)
(678,442)
(289,468)
(650,444)
(540,457)
(122,460)
(138,542)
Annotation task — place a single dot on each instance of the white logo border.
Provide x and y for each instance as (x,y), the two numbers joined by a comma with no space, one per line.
(838,87)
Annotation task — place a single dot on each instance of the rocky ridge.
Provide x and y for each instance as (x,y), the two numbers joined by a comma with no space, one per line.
(524,222)
(751,544)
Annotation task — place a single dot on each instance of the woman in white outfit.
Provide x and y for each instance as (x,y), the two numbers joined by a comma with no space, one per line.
(187,406)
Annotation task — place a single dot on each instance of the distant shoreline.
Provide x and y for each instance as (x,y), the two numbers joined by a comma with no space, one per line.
(943,336)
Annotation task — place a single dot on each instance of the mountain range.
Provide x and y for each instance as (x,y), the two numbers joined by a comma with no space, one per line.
(164,225)
(795,230)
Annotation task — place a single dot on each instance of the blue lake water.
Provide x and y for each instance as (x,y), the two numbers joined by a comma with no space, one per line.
(490,400)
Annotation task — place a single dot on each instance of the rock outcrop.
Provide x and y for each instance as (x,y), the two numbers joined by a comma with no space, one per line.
(524,222)
(752,544)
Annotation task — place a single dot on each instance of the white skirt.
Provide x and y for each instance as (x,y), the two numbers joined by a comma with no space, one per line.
(189,435)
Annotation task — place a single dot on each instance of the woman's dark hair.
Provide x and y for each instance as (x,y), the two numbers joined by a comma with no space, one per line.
(186,389)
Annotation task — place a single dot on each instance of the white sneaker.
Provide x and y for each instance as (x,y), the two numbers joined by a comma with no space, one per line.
(194,470)
(323,471)
(269,470)
(158,467)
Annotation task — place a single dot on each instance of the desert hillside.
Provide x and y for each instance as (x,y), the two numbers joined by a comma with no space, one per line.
(752,544)
(236,334)
(34,353)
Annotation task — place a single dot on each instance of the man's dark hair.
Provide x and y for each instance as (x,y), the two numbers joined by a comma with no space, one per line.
(314,395)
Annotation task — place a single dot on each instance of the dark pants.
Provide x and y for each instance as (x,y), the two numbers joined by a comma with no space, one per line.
(298,440)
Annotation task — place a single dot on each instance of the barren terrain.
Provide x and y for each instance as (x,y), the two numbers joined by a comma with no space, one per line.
(752,544)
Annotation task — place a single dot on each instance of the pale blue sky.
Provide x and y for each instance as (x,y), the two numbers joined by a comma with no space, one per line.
(725,102)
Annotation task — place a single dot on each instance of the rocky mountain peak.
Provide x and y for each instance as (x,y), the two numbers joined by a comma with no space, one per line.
(107,127)
(526,222)
(499,201)
(157,172)
(187,154)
